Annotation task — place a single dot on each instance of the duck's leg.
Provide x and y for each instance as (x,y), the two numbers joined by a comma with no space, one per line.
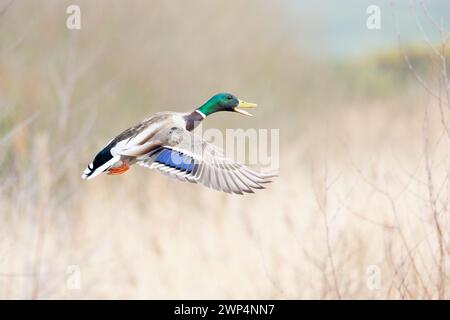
(120,169)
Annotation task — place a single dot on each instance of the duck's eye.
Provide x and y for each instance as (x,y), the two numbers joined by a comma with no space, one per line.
(230,97)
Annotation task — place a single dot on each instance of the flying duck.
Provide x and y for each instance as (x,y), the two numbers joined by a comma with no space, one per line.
(165,142)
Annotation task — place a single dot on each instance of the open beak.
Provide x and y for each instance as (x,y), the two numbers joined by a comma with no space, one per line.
(244,105)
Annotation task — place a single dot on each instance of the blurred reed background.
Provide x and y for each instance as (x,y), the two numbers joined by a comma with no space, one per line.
(360,209)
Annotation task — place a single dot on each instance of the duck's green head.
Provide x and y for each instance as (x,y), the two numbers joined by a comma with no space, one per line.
(225,102)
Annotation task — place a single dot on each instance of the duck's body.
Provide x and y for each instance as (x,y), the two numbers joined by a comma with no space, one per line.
(165,142)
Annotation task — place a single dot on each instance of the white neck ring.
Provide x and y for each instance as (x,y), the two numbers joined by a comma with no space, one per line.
(201,113)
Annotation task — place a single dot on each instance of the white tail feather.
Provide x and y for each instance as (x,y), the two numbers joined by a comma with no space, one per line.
(89,173)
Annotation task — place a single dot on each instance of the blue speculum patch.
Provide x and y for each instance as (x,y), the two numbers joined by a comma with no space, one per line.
(176,159)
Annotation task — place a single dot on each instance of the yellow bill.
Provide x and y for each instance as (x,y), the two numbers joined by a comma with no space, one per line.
(245,105)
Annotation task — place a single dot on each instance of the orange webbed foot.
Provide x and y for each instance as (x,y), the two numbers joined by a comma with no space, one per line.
(119,170)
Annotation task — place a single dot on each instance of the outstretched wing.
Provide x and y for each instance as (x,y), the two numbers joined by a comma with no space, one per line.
(190,158)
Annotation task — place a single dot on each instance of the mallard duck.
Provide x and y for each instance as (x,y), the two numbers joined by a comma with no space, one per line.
(165,142)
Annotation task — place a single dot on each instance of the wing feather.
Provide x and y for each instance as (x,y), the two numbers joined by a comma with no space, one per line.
(206,165)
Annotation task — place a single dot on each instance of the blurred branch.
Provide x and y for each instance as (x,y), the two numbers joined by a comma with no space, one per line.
(322,202)
(5,8)
(19,127)
(392,202)
(65,85)
(413,70)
